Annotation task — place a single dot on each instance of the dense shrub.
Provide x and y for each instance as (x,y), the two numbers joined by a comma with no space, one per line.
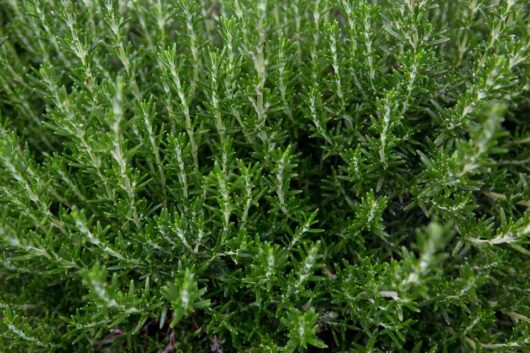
(264,176)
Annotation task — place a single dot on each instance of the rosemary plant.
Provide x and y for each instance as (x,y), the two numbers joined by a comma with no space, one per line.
(264,176)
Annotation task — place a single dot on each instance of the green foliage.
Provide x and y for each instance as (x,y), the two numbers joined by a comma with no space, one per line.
(183,296)
(264,176)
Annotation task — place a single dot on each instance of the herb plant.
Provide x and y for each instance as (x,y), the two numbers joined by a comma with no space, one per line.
(264,176)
